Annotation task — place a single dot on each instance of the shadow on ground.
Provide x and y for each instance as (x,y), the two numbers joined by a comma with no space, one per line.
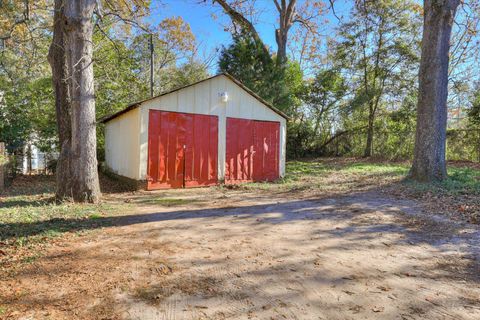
(356,256)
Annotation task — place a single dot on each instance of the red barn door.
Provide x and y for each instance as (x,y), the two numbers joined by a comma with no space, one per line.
(266,145)
(182,150)
(252,150)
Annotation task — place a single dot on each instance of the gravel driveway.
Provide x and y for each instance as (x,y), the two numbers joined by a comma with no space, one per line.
(246,256)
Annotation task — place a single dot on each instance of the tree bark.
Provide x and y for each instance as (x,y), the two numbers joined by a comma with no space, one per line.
(71,59)
(79,38)
(430,139)
(246,25)
(287,14)
(281,37)
(375,97)
(58,63)
(369,146)
(287,17)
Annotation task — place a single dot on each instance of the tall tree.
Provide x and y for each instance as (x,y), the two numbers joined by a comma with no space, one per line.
(377,48)
(246,60)
(71,58)
(24,40)
(289,14)
(430,139)
(173,42)
(473,117)
(324,94)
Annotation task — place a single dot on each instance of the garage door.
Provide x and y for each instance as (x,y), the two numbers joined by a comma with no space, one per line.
(252,151)
(182,150)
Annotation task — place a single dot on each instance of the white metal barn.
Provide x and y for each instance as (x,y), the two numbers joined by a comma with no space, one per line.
(210,131)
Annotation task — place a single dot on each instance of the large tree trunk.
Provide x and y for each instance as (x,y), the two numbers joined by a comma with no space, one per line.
(74,90)
(281,37)
(430,139)
(287,14)
(79,38)
(58,62)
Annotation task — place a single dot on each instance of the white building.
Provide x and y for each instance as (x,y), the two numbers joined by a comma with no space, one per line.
(33,159)
(210,131)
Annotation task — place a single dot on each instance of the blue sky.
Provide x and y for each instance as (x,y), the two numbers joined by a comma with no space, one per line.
(210,32)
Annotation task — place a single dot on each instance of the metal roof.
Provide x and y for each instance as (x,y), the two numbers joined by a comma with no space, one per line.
(237,82)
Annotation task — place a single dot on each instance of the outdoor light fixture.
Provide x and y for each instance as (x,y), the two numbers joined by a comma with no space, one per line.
(223,96)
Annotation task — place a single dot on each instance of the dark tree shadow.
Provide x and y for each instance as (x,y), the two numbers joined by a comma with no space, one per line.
(351,219)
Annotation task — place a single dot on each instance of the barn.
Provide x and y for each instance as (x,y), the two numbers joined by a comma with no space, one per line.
(215,130)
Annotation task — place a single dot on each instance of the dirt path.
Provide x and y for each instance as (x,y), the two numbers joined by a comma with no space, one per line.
(362,256)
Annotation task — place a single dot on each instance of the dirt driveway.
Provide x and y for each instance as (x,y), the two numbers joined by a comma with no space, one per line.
(258,256)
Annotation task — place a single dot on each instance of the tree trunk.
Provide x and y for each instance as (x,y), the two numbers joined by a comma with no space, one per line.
(79,32)
(430,138)
(58,63)
(281,37)
(72,68)
(244,23)
(287,14)
(369,145)
(2,166)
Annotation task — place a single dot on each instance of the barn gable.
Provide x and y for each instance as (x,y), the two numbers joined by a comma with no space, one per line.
(172,95)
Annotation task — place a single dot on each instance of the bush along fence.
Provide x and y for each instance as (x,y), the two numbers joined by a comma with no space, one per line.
(7,168)
(2,163)
(462,144)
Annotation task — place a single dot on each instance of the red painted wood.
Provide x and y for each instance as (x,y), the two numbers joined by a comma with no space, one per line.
(239,150)
(267,153)
(201,151)
(252,150)
(181,144)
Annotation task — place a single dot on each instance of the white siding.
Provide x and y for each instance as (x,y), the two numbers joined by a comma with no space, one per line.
(202,98)
(122,147)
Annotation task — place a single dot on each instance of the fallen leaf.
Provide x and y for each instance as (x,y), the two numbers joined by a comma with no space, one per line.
(378,309)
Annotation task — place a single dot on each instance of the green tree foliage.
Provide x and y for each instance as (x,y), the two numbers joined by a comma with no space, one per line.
(324,97)
(174,53)
(186,73)
(378,51)
(121,71)
(246,60)
(25,81)
(474,111)
(313,123)
(360,80)
(116,77)
(280,85)
(467,140)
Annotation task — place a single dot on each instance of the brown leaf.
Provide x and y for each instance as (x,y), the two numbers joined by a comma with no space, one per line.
(378,309)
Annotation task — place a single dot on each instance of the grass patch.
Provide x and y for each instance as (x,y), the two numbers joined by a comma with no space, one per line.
(461,180)
(169,202)
(346,175)
(30,217)
(30,259)
(457,196)
(26,220)
(333,175)
(376,168)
